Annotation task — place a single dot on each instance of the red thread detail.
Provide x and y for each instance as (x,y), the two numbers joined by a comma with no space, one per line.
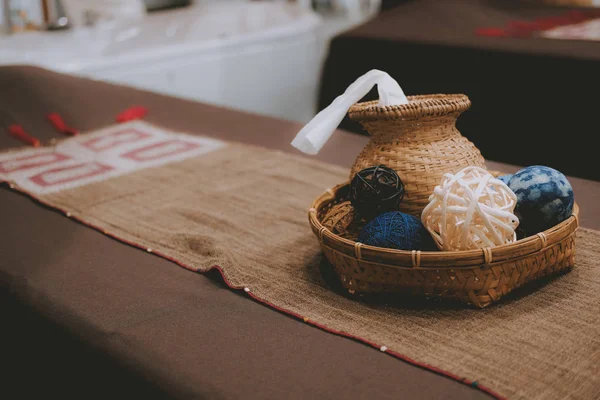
(19,133)
(553,22)
(132,113)
(528,28)
(577,16)
(59,124)
(491,32)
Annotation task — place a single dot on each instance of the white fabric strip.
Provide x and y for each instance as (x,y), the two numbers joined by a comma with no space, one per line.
(107,153)
(316,133)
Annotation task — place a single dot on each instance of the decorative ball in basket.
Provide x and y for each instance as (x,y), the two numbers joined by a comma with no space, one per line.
(470,213)
(376,190)
(545,198)
(343,220)
(471,210)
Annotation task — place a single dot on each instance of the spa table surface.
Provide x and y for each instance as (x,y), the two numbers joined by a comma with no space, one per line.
(92,324)
(528,94)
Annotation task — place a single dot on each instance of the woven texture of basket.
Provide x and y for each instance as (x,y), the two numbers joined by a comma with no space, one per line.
(418,140)
(342,220)
(476,277)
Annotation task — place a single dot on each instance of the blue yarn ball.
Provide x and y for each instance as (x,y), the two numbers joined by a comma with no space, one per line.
(396,230)
(505,178)
(544,198)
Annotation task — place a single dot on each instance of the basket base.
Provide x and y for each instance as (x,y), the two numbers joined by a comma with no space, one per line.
(479,286)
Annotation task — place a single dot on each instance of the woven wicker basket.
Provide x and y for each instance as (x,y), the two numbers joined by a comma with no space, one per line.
(477,277)
(418,140)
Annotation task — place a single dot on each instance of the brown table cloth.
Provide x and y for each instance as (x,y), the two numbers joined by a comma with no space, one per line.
(532,97)
(87,316)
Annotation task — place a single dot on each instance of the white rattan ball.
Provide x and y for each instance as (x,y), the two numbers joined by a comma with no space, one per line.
(471,209)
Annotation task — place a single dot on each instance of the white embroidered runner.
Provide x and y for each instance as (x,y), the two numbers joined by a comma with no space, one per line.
(104,154)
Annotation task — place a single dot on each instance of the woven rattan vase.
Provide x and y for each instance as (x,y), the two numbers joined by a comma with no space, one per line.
(418,140)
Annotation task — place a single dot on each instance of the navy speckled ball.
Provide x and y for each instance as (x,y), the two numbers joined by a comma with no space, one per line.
(505,178)
(396,230)
(544,198)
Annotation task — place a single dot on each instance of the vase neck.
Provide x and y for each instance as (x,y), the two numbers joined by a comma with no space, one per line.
(430,129)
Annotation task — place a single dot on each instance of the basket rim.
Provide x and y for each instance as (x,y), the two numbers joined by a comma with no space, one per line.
(419,106)
(437,259)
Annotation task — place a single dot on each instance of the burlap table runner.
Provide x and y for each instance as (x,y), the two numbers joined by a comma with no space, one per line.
(244,210)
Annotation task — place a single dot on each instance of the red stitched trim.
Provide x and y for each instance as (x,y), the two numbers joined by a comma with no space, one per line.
(19,133)
(528,28)
(492,32)
(59,124)
(132,113)
(438,371)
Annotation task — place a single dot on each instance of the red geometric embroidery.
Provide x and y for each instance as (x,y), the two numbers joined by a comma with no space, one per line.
(31,161)
(115,139)
(160,150)
(58,176)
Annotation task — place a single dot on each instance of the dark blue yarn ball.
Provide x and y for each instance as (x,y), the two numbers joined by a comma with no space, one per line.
(396,230)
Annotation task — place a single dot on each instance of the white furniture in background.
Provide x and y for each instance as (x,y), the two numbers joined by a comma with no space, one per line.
(262,57)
